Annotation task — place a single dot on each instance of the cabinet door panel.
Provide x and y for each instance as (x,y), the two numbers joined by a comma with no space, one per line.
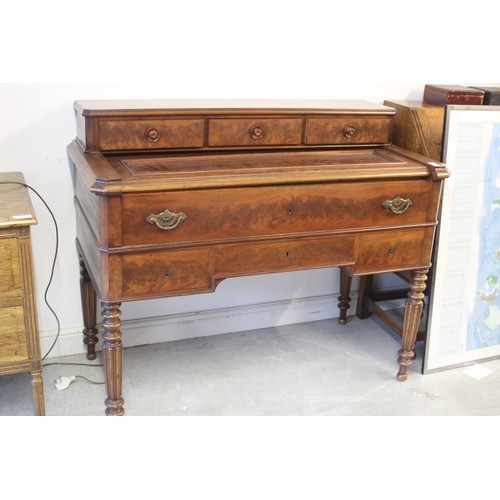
(10,285)
(13,347)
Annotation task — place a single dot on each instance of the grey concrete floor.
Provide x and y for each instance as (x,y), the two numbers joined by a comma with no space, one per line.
(318,368)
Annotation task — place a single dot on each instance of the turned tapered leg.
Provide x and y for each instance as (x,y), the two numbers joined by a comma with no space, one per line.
(344,297)
(413,312)
(365,285)
(37,386)
(89,311)
(112,355)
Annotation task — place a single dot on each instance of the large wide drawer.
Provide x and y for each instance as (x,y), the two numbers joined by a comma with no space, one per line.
(243,213)
(122,135)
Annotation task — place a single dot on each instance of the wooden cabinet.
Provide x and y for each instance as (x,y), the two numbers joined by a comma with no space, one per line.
(242,188)
(19,337)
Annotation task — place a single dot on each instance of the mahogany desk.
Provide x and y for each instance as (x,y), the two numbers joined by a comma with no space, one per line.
(172,197)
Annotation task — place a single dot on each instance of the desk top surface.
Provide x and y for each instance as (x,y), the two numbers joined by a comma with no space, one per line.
(221,106)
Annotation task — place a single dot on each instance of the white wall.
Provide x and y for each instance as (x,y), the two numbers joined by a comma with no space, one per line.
(205,50)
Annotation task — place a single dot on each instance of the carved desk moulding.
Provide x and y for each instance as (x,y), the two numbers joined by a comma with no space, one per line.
(172,197)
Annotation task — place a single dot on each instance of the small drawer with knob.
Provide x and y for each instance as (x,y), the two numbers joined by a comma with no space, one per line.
(226,132)
(126,135)
(166,272)
(348,130)
(396,250)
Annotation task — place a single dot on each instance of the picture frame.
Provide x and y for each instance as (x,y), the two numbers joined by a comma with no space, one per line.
(464,307)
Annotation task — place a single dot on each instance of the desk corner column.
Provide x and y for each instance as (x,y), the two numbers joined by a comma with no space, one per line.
(413,313)
(112,353)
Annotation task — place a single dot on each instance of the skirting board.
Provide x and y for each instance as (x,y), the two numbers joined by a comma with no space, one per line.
(203,323)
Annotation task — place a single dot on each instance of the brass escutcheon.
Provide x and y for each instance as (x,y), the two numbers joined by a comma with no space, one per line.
(167,220)
(397,205)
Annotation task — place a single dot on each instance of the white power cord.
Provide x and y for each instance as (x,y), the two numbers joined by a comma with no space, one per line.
(62,383)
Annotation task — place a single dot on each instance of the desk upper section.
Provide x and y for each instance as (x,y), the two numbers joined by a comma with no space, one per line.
(180,125)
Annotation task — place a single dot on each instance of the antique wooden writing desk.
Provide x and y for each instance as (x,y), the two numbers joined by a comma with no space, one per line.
(174,196)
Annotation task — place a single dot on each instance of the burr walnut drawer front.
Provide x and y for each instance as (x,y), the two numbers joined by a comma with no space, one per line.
(237,260)
(236,213)
(254,132)
(121,135)
(348,130)
(394,250)
(161,273)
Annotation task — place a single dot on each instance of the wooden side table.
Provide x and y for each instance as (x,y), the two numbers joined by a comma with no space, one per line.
(19,336)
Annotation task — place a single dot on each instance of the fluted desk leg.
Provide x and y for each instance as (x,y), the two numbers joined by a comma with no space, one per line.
(413,313)
(112,354)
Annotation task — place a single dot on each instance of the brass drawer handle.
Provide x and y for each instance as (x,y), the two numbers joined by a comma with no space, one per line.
(167,220)
(398,205)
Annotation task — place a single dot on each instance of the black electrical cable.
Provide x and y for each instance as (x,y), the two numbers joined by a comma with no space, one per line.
(53,262)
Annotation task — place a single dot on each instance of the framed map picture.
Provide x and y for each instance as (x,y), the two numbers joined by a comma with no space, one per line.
(464,312)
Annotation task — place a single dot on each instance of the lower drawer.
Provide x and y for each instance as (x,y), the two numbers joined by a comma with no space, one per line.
(179,272)
(13,346)
(394,250)
(238,260)
(166,273)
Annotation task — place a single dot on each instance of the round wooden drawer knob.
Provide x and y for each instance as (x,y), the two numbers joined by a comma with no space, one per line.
(256,132)
(152,135)
(349,131)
